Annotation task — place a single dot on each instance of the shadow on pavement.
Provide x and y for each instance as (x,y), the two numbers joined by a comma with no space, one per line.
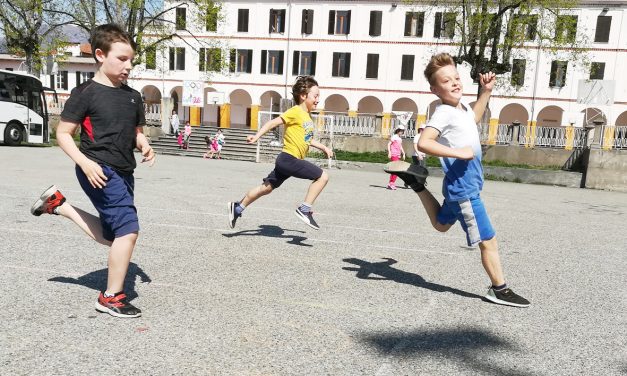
(271,231)
(98,280)
(382,271)
(472,348)
(386,187)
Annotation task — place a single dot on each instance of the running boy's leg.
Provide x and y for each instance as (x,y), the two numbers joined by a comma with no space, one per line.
(315,188)
(255,193)
(88,222)
(492,261)
(119,259)
(433,208)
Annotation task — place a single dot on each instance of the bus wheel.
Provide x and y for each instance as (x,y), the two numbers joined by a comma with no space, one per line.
(13,134)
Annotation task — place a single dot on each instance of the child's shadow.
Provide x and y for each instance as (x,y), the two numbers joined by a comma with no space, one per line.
(382,271)
(98,280)
(272,232)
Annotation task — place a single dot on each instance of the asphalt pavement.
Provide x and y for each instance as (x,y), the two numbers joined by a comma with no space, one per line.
(376,291)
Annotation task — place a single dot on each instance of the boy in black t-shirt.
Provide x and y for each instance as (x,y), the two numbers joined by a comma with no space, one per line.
(111,116)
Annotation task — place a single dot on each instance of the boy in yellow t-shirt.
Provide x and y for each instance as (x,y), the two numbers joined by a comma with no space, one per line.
(290,162)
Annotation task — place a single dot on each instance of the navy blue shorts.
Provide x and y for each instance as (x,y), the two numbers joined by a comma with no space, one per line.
(114,203)
(287,166)
(473,217)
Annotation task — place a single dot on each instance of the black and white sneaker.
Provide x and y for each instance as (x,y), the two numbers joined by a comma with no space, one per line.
(307,218)
(415,176)
(232,214)
(506,297)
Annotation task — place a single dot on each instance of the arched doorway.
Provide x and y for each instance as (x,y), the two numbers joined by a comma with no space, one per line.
(210,111)
(369,105)
(550,116)
(151,95)
(432,106)
(593,115)
(405,104)
(514,113)
(336,103)
(270,101)
(240,108)
(621,120)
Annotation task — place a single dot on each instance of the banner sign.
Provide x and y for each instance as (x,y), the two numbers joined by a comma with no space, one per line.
(193,92)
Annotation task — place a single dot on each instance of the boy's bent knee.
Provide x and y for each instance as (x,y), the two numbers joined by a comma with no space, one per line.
(440,227)
(324,177)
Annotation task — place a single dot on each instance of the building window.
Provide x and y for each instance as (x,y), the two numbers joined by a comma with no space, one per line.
(339,22)
(59,80)
(407,67)
(376,17)
(210,59)
(518,72)
(177,58)
(277,21)
(341,64)
(151,57)
(304,63)
(526,25)
(602,34)
(597,71)
(414,24)
(83,77)
(211,20)
(272,62)
(444,25)
(306,26)
(558,74)
(242,20)
(241,61)
(372,66)
(181,15)
(566,28)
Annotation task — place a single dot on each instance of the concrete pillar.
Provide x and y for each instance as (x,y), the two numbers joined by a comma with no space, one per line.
(570,138)
(493,128)
(254,116)
(167,104)
(515,133)
(530,134)
(194,116)
(225,115)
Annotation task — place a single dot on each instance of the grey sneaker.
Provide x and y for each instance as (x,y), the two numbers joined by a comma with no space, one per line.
(506,297)
(415,176)
(307,218)
(232,214)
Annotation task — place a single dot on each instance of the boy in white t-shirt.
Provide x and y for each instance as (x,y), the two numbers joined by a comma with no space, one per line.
(452,135)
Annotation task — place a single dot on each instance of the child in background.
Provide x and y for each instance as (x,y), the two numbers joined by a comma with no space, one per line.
(179,139)
(188,134)
(209,145)
(395,151)
(419,157)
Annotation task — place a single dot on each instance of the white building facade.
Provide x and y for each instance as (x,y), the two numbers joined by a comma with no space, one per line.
(369,58)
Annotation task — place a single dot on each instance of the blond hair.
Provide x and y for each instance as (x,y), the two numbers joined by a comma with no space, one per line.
(438,61)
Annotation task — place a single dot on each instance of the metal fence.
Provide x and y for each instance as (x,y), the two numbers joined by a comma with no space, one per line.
(614,137)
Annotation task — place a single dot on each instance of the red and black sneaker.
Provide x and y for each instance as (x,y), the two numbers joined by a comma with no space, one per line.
(117,306)
(48,201)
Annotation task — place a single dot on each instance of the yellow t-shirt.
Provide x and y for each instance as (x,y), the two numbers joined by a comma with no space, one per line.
(299,130)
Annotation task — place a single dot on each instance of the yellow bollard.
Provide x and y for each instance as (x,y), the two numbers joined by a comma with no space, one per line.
(570,138)
(493,128)
(385,125)
(254,117)
(225,115)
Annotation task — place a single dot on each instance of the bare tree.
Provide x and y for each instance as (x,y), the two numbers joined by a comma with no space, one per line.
(489,33)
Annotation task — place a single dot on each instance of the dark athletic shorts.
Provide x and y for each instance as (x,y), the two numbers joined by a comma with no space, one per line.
(287,166)
(114,203)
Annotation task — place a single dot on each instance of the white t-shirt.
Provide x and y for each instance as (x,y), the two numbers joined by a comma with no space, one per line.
(463,179)
(416,139)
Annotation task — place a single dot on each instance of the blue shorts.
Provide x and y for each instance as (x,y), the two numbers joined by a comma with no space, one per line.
(473,217)
(287,166)
(114,203)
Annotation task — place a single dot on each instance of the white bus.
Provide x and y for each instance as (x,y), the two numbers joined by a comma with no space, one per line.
(23,109)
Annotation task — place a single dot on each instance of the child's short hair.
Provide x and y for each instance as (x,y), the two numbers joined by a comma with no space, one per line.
(103,36)
(438,61)
(302,86)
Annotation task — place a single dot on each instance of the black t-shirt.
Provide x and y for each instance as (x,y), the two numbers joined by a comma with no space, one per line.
(108,117)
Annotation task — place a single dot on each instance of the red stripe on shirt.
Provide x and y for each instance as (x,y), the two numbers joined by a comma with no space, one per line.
(88,128)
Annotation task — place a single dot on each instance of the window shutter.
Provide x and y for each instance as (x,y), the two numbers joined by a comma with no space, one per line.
(313,63)
(281,58)
(172,58)
(246,19)
(270,22)
(421,24)
(296,63)
(181,61)
(310,21)
(201,60)
(282,25)
(438,25)
(250,62)
(331,22)
(553,74)
(52,83)
(303,22)
(602,33)
(347,62)
(408,17)
(232,60)
(348,23)
(264,61)
(78,78)
(375,23)
(65,77)
(378,22)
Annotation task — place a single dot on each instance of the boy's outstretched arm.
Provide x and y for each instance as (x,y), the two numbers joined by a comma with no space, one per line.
(92,170)
(428,144)
(265,129)
(321,147)
(141,142)
(487,81)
